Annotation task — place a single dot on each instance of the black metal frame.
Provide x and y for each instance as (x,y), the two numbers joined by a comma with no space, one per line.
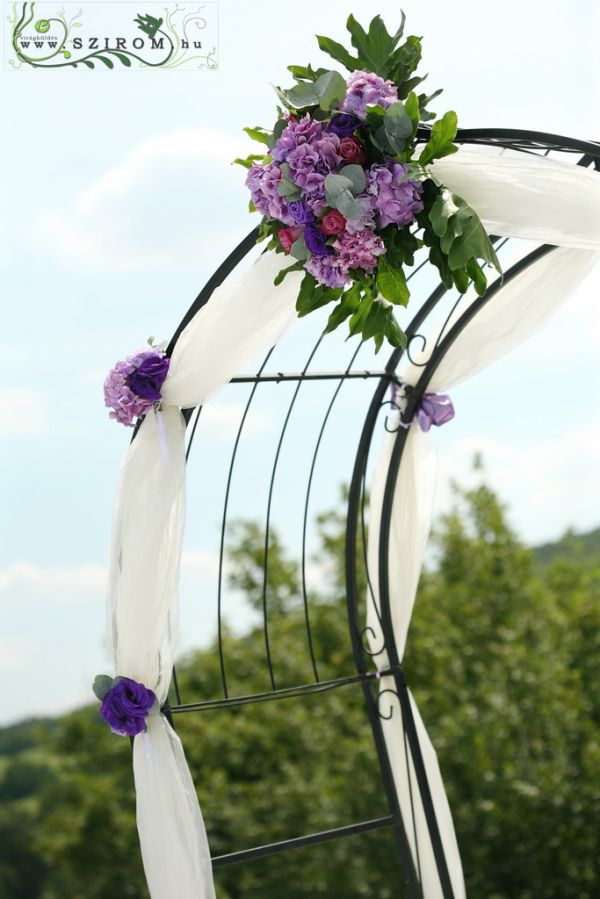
(523,141)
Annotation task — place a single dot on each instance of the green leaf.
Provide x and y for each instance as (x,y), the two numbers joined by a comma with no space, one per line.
(107,62)
(404,60)
(346,307)
(302,94)
(247,162)
(313,295)
(280,125)
(413,110)
(305,73)
(284,271)
(391,282)
(360,316)
(335,185)
(348,206)
(122,57)
(356,174)
(331,89)
(462,236)
(338,52)
(258,134)
(440,143)
(473,243)
(441,211)
(288,188)
(398,125)
(478,277)
(374,49)
(102,684)
(409,85)
(393,332)
(88,63)
(299,249)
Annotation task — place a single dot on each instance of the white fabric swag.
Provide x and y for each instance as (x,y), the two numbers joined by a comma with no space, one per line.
(531,198)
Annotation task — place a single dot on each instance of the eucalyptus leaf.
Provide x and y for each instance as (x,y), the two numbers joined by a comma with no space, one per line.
(102,684)
(348,206)
(299,250)
(303,94)
(330,89)
(357,176)
(335,185)
(398,126)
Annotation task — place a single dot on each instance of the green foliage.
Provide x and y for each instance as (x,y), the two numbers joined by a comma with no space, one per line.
(503,657)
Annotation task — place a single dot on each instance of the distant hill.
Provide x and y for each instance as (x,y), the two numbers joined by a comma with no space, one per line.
(578,547)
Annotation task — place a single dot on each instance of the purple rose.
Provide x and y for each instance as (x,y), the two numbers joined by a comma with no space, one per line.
(300,212)
(343,124)
(126,706)
(147,379)
(316,241)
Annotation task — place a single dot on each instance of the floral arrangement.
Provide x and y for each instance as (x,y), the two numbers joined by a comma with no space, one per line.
(345,189)
(133,386)
(125,704)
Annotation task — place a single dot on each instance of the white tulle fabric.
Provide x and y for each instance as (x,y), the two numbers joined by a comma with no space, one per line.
(244,317)
(508,192)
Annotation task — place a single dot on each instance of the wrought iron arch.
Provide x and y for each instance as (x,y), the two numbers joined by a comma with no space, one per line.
(366,673)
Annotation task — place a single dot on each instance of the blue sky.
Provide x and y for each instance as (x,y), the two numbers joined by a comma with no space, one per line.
(119,200)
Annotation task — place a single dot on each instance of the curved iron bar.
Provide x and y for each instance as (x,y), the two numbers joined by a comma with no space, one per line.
(306,505)
(268,516)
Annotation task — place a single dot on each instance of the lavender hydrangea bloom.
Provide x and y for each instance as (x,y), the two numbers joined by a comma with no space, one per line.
(360,250)
(311,153)
(364,88)
(263,182)
(367,216)
(126,707)
(331,271)
(396,201)
(119,392)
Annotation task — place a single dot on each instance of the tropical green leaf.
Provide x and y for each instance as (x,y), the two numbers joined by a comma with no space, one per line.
(305,73)
(297,266)
(440,143)
(375,47)
(313,295)
(404,60)
(391,282)
(338,52)
(347,306)
(360,315)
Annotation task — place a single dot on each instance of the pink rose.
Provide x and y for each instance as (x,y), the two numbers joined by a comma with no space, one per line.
(351,151)
(333,222)
(287,236)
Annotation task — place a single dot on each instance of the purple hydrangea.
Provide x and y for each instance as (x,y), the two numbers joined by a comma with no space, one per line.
(364,88)
(126,706)
(331,271)
(145,372)
(360,250)
(367,216)
(263,181)
(396,201)
(311,153)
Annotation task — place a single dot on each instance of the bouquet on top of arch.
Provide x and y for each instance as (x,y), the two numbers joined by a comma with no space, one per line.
(344,186)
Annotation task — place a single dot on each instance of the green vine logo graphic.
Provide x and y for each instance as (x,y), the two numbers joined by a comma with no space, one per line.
(169,41)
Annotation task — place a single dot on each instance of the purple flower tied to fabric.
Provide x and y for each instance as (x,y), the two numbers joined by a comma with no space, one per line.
(316,241)
(126,706)
(122,383)
(300,212)
(147,379)
(343,124)
(434,409)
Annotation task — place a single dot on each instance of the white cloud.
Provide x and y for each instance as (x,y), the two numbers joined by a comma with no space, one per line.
(24,413)
(23,580)
(14,652)
(151,209)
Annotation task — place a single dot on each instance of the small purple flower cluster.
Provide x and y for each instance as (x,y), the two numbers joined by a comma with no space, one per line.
(133,386)
(308,150)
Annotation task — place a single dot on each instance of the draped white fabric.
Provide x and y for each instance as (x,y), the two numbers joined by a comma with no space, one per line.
(245,316)
(243,319)
(508,192)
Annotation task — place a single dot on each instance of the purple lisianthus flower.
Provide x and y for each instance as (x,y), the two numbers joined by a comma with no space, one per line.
(366,88)
(343,124)
(434,409)
(316,241)
(331,271)
(396,201)
(360,250)
(120,393)
(126,707)
(263,182)
(147,379)
(300,212)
